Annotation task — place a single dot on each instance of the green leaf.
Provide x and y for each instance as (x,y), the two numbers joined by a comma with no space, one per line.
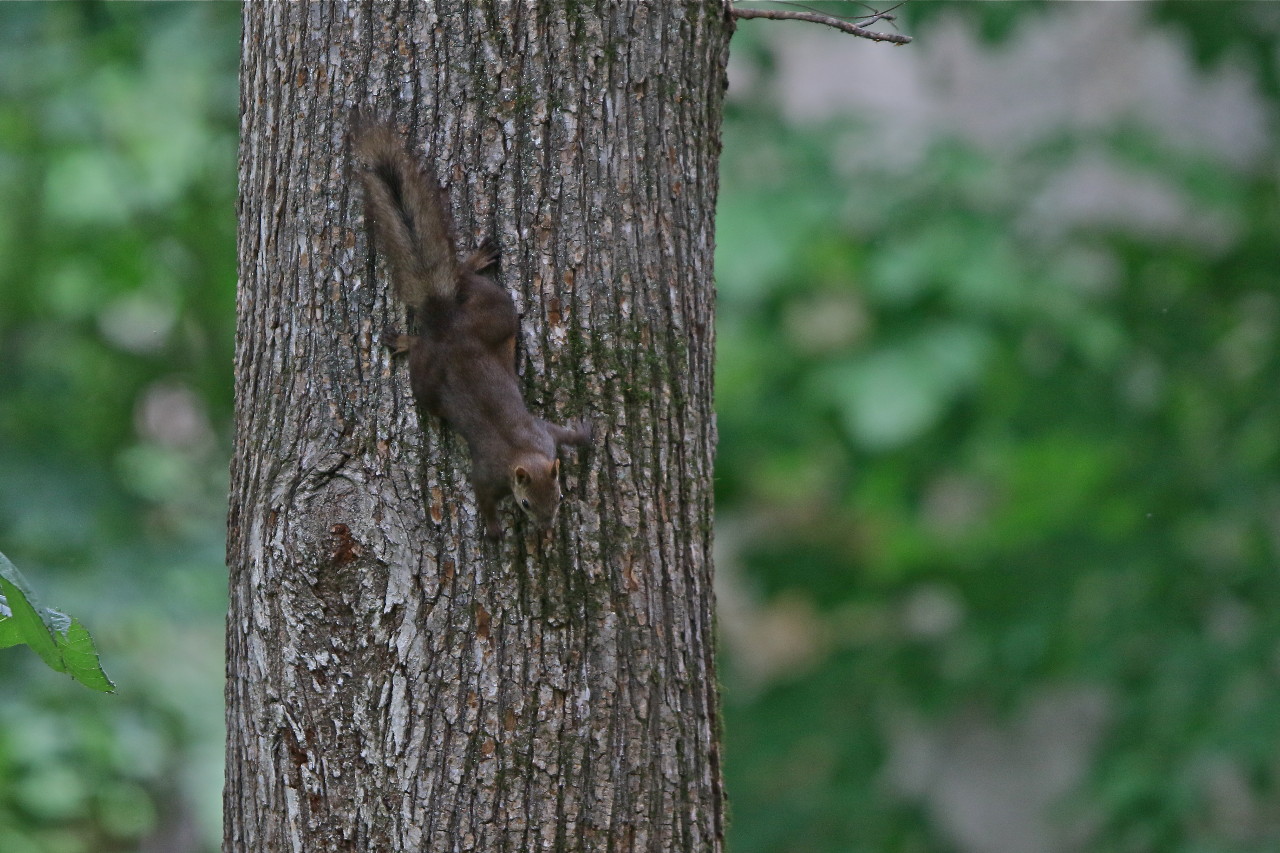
(32,630)
(61,642)
(895,394)
(9,634)
(81,658)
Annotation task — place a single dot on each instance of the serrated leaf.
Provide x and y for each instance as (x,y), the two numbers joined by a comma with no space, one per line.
(31,628)
(61,642)
(81,657)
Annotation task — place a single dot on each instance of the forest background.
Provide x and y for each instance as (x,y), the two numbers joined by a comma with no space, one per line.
(998,512)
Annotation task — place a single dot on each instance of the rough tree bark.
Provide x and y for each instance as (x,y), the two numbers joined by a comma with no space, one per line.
(393,682)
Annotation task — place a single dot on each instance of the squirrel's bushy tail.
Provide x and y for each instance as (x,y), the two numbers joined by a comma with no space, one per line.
(405,210)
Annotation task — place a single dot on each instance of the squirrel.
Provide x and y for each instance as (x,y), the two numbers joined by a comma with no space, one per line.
(462,366)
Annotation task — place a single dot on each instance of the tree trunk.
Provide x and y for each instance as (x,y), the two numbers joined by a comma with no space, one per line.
(393,681)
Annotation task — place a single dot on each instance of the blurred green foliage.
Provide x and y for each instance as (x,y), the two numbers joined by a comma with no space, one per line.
(963,461)
(117,284)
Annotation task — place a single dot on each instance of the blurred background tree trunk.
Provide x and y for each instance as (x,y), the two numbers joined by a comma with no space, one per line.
(394,683)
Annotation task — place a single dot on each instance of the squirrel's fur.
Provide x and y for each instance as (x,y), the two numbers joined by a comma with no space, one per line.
(413,226)
(462,366)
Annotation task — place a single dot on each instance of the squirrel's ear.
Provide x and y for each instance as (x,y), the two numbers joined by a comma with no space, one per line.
(555,468)
(522,475)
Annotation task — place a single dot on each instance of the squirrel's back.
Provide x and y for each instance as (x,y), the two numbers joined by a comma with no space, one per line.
(410,220)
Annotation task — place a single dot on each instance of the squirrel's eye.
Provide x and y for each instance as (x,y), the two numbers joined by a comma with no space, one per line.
(524,502)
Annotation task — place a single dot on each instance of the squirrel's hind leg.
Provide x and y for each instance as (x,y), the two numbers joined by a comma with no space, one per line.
(398,344)
(483,257)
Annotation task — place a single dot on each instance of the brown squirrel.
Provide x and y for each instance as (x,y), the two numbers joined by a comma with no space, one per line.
(462,366)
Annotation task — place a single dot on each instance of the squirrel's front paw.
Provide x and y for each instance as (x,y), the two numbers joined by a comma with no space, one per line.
(586,432)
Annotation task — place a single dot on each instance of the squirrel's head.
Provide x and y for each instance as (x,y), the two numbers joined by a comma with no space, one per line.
(535,482)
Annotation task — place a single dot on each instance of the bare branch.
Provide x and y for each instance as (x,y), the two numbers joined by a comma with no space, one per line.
(828,20)
(863,21)
(886,15)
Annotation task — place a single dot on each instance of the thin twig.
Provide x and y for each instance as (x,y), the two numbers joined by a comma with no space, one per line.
(886,15)
(819,18)
(862,20)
